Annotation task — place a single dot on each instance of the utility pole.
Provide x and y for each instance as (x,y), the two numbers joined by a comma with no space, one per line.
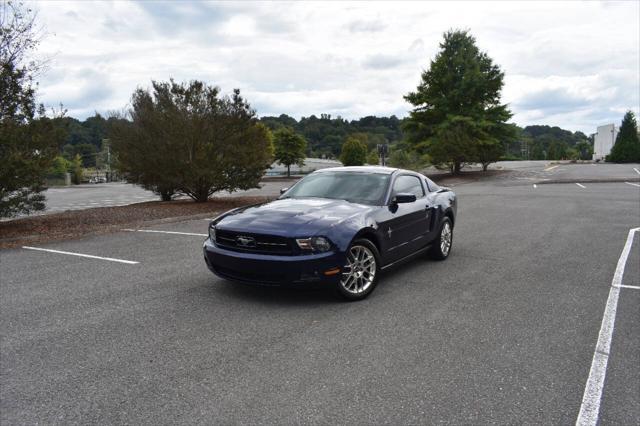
(383,151)
(106,143)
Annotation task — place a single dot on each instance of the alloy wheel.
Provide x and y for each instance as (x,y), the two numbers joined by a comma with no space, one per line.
(445,239)
(360,271)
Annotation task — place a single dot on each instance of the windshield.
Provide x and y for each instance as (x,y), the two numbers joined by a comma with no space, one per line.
(355,187)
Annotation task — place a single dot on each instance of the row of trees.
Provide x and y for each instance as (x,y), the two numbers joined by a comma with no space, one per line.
(325,135)
(84,138)
(189,138)
(457,119)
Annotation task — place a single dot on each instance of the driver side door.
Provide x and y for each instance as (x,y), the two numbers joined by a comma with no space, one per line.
(407,227)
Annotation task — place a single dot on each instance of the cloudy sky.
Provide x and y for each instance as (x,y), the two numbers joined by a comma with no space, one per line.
(575,65)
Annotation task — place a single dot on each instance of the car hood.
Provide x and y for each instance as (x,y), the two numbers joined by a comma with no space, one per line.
(293,217)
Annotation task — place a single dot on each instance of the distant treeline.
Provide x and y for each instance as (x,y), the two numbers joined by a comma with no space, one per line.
(326,134)
(84,138)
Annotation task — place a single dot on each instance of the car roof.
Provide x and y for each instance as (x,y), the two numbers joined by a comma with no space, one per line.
(360,169)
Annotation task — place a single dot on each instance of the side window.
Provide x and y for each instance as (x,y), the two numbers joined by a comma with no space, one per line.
(408,184)
(431,185)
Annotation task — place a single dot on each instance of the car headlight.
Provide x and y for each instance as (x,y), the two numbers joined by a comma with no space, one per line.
(212,233)
(319,244)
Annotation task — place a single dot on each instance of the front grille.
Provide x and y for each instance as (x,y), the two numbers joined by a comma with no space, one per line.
(253,243)
(253,277)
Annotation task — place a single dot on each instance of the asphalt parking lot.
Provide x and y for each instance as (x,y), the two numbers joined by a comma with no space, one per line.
(504,331)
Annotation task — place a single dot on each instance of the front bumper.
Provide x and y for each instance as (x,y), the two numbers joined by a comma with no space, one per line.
(272,270)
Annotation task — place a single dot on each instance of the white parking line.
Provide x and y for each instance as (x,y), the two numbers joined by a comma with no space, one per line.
(551,168)
(634,287)
(595,383)
(90,256)
(633,184)
(167,232)
(637,171)
(581,186)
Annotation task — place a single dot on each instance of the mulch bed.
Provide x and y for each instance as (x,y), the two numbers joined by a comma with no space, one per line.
(74,224)
(448,179)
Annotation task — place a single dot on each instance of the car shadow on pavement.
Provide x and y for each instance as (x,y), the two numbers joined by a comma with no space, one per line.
(273,295)
(300,295)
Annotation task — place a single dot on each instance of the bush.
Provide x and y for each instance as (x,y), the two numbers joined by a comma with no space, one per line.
(354,152)
(187,138)
(406,159)
(60,167)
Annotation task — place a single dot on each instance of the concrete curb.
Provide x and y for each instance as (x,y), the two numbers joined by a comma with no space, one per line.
(589,180)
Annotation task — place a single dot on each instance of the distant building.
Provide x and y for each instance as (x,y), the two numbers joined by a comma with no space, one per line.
(603,141)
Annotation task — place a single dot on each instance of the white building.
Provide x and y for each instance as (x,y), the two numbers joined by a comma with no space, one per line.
(603,141)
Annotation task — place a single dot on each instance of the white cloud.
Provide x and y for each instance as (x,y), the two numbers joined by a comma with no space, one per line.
(570,64)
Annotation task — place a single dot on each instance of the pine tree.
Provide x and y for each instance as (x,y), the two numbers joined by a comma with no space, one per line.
(627,146)
(458,116)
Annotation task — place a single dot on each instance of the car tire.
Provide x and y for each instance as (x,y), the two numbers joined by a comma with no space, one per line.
(441,247)
(360,275)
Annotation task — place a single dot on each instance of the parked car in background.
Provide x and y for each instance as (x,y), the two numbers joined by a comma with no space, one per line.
(339,226)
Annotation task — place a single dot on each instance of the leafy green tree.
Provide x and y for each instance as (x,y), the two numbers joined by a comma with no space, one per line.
(537,151)
(557,150)
(354,152)
(372,158)
(457,108)
(407,159)
(572,154)
(290,147)
(627,146)
(86,151)
(585,150)
(453,144)
(59,167)
(29,141)
(488,151)
(187,138)
(76,169)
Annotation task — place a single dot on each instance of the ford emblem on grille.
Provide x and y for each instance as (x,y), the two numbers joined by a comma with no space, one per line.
(243,241)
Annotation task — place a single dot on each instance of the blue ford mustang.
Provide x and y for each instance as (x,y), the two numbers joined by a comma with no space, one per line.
(339,226)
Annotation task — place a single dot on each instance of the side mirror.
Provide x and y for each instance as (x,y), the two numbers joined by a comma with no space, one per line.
(403,198)
(283,190)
